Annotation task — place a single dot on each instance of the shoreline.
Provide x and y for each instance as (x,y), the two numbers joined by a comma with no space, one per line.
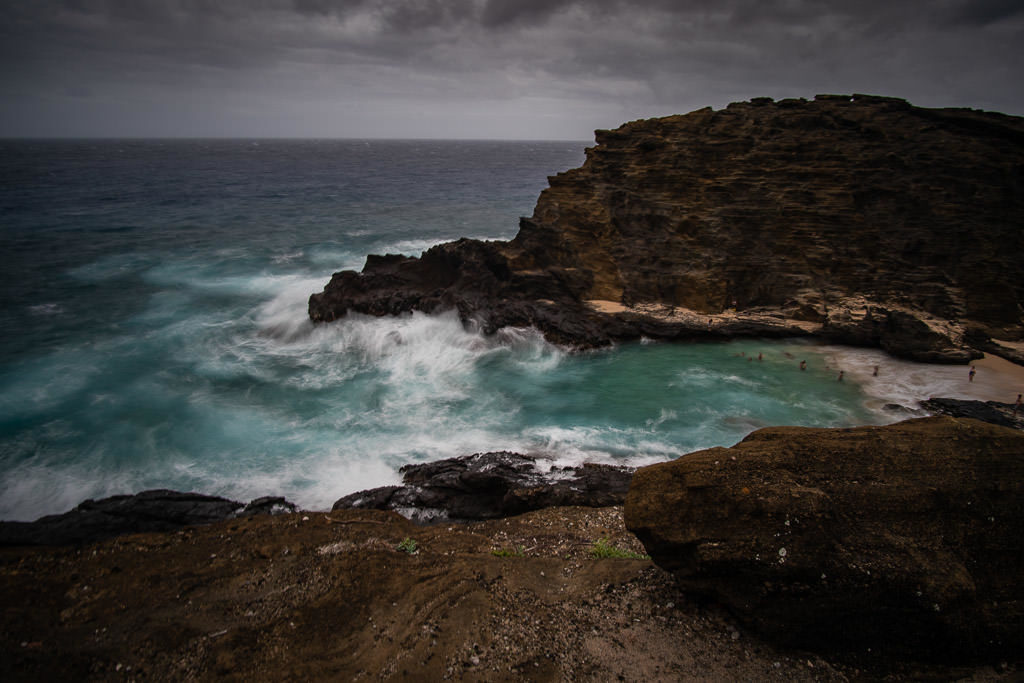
(997,379)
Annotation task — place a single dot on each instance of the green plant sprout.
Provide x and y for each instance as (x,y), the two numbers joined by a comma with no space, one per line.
(603,549)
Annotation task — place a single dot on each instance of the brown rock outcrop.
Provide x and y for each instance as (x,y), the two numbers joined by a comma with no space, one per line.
(332,597)
(903,539)
(859,219)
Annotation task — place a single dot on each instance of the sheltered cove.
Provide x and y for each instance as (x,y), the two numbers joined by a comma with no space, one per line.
(852,219)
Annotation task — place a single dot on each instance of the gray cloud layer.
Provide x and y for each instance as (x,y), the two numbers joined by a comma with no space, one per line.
(478,68)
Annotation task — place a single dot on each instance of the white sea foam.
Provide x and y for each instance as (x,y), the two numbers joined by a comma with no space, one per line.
(664,416)
(31,490)
(337,259)
(288,257)
(210,377)
(46,309)
(284,316)
(415,247)
(203,278)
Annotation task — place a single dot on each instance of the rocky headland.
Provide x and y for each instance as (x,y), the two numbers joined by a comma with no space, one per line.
(856,219)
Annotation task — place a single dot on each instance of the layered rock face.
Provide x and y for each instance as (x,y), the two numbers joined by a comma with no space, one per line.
(904,539)
(860,219)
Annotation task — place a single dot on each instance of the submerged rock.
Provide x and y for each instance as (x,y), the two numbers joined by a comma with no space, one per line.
(857,219)
(490,485)
(905,539)
(156,510)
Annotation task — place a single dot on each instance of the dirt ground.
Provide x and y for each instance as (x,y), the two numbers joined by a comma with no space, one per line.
(331,596)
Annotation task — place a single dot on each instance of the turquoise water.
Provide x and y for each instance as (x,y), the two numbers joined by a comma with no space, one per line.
(156,332)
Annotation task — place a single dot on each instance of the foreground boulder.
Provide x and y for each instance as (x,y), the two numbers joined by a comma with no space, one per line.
(858,219)
(490,485)
(904,539)
(156,510)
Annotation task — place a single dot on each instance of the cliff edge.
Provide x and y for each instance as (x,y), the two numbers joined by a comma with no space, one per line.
(859,219)
(901,540)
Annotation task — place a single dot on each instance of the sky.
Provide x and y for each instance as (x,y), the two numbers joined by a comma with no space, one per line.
(485,69)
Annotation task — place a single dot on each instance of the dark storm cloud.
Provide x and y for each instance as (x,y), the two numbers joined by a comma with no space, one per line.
(985,12)
(497,13)
(550,66)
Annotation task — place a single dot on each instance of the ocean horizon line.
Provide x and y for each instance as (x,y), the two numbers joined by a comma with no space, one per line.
(132,138)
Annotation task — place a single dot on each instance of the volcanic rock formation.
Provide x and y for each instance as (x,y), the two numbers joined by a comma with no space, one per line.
(489,485)
(859,219)
(993,412)
(155,510)
(904,539)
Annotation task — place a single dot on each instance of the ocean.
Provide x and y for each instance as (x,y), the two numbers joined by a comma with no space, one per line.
(155,331)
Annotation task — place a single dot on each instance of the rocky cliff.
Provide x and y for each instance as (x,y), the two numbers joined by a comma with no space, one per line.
(859,219)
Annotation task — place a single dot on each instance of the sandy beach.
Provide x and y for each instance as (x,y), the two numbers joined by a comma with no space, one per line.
(907,382)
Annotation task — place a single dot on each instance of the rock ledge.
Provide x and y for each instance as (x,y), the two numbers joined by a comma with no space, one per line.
(857,219)
(490,485)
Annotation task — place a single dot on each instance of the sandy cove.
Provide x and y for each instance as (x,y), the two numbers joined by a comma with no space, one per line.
(996,379)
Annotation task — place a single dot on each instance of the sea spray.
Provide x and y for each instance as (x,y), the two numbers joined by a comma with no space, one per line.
(154,305)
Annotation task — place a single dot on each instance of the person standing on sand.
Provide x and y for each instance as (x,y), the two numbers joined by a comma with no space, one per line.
(970,375)
(875,373)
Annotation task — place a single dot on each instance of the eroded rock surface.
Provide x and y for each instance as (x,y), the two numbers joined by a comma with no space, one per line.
(858,219)
(904,539)
(156,510)
(332,597)
(490,485)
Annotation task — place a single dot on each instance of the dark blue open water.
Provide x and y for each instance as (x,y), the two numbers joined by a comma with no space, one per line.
(155,332)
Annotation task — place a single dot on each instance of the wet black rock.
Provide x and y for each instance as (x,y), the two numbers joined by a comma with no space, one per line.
(156,510)
(491,485)
(992,412)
